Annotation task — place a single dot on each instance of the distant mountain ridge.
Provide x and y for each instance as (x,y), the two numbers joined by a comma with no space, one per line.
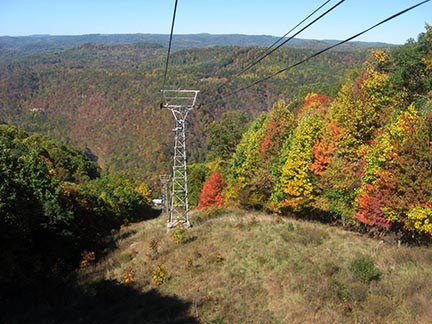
(41,43)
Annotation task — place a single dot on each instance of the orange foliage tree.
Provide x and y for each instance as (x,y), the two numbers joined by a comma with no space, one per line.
(211,193)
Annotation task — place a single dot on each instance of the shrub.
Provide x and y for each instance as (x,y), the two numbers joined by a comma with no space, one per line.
(364,269)
(179,235)
(154,247)
(215,258)
(290,227)
(159,275)
(87,258)
(128,276)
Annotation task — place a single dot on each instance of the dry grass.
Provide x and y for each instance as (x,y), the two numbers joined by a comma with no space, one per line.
(237,266)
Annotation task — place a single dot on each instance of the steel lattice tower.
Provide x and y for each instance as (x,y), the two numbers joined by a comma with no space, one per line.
(165,179)
(180,102)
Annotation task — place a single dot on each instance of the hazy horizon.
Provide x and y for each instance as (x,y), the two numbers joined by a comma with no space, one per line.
(272,18)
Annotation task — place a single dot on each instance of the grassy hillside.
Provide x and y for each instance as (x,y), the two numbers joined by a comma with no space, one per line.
(239,266)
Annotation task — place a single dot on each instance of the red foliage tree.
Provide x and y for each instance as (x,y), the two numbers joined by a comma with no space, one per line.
(370,208)
(314,102)
(211,193)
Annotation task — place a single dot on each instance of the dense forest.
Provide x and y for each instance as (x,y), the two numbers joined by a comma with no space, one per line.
(105,97)
(56,204)
(361,158)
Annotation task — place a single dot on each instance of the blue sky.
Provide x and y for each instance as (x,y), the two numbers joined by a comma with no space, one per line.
(253,17)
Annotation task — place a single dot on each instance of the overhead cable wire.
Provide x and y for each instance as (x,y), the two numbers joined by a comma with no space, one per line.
(263,55)
(270,50)
(169,45)
(295,27)
(333,46)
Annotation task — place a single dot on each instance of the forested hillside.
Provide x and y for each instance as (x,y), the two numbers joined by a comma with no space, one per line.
(55,204)
(105,98)
(362,158)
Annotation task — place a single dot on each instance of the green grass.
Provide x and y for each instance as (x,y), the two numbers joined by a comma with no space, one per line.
(250,267)
(247,267)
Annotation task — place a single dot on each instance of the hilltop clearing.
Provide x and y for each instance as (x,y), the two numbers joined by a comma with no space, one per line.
(237,266)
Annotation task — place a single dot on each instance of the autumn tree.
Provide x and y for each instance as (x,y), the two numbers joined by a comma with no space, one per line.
(244,160)
(296,188)
(255,162)
(211,193)
(396,184)
(355,116)
(277,127)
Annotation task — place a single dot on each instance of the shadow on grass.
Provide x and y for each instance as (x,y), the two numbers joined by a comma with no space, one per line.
(316,215)
(102,302)
(109,242)
(146,214)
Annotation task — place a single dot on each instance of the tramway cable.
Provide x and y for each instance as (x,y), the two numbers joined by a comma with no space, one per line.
(271,49)
(169,45)
(332,46)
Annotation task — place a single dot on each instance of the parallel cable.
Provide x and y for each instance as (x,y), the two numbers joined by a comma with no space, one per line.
(333,46)
(169,45)
(271,50)
(294,28)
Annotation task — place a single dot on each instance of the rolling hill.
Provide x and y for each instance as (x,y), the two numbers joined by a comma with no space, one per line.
(41,43)
(105,97)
